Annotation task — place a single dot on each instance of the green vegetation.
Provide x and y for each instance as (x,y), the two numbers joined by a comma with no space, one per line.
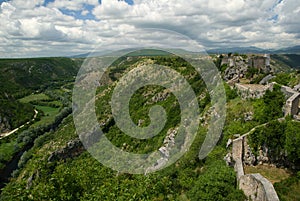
(291,60)
(219,180)
(282,78)
(13,113)
(6,151)
(288,190)
(83,178)
(273,174)
(49,114)
(34,97)
(281,138)
(270,106)
(17,75)
(230,93)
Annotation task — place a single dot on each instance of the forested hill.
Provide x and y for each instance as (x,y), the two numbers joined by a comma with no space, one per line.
(21,77)
(17,75)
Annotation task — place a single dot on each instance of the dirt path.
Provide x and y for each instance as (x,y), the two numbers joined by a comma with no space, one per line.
(3,135)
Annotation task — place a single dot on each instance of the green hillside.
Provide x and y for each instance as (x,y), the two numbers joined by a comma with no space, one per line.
(56,166)
(78,176)
(292,60)
(21,77)
(17,75)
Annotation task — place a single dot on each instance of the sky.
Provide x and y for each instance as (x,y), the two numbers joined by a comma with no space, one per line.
(38,28)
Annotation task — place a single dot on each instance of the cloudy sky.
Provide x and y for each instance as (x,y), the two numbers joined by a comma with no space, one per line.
(32,28)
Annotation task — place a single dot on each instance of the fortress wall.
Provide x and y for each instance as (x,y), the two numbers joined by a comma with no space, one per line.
(237,154)
(255,186)
(292,104)
(253,90)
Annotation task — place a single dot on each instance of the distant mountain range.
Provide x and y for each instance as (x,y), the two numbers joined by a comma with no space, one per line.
(241,50)
(256,50)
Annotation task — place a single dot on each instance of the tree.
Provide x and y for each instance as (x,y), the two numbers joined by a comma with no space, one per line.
(292,141)
(217,183)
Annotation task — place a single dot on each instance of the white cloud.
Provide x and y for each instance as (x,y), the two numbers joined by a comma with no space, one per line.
(72,4)
(29,28)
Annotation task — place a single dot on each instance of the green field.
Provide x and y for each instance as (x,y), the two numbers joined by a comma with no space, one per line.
(34,97)
(273,174)
(49,114)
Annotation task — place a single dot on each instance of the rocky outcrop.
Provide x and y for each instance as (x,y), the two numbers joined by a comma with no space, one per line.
(238,66)
(161,96)
(237,155)
(72,149)
(248,157)
(164,150)
(30,180)
(4,125)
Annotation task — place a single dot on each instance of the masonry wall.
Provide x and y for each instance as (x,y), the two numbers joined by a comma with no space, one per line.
(292,104)
(255,186)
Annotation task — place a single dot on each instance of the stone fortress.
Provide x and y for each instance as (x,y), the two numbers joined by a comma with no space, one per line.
(255,186)
(237,68)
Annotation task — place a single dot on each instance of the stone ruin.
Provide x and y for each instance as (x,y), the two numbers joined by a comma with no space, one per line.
(261,62)
(238,66)
(253,91)
(254,186)
(291,107)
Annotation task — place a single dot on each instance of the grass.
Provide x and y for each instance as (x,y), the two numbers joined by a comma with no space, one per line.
(273,174)
(34,97)
(49,115)
(290,192)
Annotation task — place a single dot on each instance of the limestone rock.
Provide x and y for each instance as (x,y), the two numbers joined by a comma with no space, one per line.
(228,159)
(72,149)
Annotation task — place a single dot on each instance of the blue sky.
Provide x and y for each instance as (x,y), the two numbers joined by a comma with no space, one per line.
(64,27)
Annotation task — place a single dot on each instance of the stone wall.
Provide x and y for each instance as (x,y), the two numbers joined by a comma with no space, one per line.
(260,62)
(255,186)
(292,104)
(237,155)
(253,90)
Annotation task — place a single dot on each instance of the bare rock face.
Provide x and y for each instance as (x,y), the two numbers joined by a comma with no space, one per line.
(228,159)
(169,142)
(4,125)
(249,157)
(229,142)
(30,180)
(72,149)
(248,116)
(262,158)
(162,96)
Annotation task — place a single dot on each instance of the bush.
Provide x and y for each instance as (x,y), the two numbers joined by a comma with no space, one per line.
(217,183)
(24,158)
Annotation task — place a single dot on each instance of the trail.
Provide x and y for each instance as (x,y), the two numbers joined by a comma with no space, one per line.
(256,127)
(4,135)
